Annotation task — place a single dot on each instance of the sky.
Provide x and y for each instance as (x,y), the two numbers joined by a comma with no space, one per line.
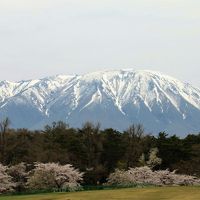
(40,38)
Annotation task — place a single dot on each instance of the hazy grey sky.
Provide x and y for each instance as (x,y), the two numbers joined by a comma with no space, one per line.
(44,37)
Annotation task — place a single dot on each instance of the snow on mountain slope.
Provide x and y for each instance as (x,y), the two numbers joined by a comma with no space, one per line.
(114,98)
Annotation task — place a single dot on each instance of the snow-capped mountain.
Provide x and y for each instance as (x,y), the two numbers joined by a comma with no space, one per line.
(115,98)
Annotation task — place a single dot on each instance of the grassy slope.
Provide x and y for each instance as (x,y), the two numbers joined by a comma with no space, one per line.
(173,193)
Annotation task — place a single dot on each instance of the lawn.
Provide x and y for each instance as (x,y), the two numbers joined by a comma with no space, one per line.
(164,193)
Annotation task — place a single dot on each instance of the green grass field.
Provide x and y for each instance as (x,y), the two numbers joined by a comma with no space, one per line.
(164,193)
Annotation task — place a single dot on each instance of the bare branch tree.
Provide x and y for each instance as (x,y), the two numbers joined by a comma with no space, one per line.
(4,125)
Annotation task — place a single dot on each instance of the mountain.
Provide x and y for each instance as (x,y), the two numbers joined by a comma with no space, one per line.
(115,98)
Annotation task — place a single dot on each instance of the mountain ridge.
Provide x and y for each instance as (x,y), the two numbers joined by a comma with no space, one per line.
(115,98)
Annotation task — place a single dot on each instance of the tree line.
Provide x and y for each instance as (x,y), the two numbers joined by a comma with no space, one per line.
(96,152)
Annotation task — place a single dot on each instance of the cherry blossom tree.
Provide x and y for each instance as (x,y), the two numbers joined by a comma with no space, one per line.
(19,176)
(6,184)
(153,159)
(54,176)
(145,175)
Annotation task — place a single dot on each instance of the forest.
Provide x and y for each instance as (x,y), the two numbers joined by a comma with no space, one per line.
(98,152)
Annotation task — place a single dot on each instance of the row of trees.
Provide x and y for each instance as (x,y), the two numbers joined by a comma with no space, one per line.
(56,177)
(98,152)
